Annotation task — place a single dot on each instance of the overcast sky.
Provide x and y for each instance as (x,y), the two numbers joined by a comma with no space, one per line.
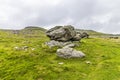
(99,15)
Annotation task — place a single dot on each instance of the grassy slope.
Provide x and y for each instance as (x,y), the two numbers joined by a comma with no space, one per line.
(94,33)
(42,63)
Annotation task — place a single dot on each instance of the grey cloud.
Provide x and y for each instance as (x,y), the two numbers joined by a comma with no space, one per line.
(100,15)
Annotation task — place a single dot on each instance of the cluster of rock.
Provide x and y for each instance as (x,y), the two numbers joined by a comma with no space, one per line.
(65,33)
(63,37)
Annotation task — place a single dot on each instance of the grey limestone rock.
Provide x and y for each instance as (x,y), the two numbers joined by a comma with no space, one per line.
(67,52)
(63,37)
(61,33)
(53,43)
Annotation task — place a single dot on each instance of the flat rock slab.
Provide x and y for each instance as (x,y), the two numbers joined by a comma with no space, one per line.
(53,43)
(67,52)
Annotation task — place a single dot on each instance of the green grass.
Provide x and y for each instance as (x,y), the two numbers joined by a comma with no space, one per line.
(43,63)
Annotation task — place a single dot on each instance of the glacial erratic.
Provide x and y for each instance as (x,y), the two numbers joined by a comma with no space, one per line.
(64,37)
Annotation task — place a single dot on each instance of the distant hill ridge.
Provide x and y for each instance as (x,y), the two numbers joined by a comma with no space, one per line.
(37,28)
(26,28)
(34,28)
(92,32)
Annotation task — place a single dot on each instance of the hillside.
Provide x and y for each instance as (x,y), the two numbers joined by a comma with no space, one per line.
(94,33)
(38,62)
(30,31)
(36,30)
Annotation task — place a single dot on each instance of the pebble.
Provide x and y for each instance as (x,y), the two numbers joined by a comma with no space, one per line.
(88,62)
(61,63)
(33,49)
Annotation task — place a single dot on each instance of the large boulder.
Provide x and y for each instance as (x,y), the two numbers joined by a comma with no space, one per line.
(61,33)
(67,52)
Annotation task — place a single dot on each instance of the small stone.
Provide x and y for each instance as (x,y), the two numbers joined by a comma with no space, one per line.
(25,47)
(33,49)
(61,63)
(88,62)
(16,48)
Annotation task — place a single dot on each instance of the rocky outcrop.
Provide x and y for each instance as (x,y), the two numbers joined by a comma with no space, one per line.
(61,33)
(65,33)
(63,37)
(66,50)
